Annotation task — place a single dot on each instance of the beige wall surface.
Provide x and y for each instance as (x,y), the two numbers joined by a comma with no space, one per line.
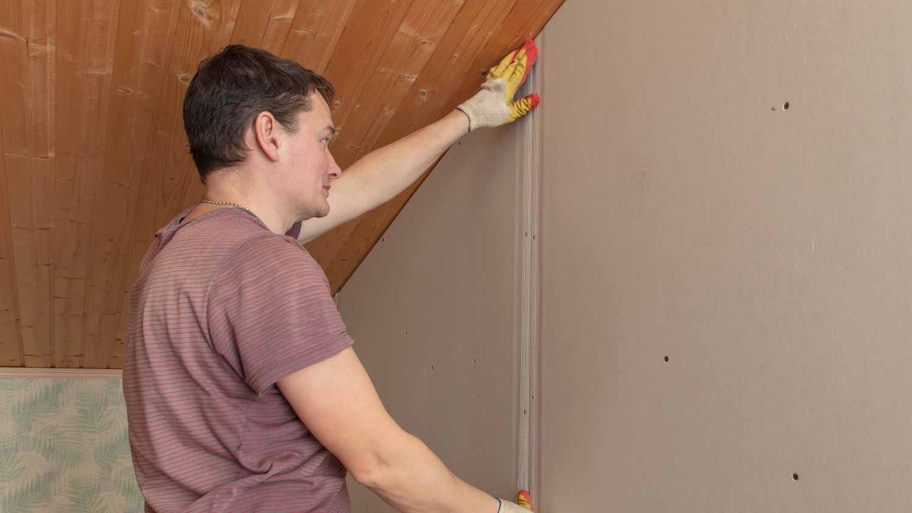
(434,317)
(765,250)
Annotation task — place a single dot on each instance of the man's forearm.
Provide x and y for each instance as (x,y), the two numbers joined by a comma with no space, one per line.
(414,480)
(385,172)
(389,170)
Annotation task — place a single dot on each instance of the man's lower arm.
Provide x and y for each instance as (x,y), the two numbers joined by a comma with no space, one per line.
(414,480)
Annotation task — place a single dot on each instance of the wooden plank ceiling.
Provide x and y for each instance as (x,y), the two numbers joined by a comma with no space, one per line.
(95,158)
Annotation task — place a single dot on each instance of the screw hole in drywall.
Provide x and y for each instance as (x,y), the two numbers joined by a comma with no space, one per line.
(794,477)
(666,359)
(786,106)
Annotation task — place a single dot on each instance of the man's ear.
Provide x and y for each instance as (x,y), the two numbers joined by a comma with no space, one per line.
(266,134)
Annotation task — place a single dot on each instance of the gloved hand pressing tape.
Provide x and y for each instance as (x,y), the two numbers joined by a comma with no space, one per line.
(494,105)
(524,506)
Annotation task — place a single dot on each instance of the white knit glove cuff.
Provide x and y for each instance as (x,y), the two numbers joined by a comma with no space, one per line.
(488,107)
(510,507)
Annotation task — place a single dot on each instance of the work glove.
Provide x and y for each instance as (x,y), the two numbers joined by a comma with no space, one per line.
(524,506)
(494,105)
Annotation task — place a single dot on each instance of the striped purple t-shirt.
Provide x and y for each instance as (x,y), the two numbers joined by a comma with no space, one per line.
(223,308)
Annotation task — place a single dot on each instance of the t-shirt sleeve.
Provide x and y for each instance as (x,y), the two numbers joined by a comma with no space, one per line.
(270,312)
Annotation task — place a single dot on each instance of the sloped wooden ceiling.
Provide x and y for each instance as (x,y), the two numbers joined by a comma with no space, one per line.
(95,158)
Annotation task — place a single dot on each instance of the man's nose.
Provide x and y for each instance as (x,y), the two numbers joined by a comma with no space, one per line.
(334,170)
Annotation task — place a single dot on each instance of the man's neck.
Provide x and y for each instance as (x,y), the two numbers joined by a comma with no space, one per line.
(230,189)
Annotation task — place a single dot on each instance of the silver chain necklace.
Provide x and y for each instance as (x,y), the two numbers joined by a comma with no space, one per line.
(226,203)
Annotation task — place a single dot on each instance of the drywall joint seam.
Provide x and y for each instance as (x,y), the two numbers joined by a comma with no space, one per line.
(530,171)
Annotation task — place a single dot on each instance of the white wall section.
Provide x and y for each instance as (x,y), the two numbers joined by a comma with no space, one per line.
(434,314)
(727,184)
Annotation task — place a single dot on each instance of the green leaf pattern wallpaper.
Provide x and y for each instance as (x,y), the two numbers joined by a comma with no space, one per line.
(64,447)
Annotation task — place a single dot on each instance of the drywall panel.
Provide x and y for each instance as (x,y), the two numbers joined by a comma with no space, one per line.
(726,185)
(434,316)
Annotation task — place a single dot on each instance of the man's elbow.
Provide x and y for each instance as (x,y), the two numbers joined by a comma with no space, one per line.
(362,473)
(382,468)
(374,475)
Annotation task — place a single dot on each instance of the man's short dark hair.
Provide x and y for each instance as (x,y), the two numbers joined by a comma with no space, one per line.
(228,91)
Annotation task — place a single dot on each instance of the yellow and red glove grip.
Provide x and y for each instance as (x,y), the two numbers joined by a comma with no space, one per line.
(524,501)
(515,68)
(494,105)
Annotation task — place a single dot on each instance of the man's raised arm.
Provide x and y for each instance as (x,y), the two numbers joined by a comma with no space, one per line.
(385,172)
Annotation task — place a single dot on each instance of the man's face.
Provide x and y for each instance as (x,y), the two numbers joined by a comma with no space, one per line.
(309,166)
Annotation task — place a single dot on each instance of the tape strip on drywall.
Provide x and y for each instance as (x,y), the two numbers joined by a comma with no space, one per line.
(530,171)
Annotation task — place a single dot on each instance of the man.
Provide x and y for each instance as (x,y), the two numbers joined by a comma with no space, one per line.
(243,391)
